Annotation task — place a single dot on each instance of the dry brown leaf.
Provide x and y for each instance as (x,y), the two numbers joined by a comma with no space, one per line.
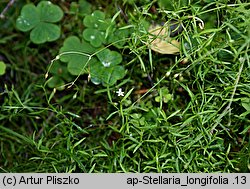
(161,42)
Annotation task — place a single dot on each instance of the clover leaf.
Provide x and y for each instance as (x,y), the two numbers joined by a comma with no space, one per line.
(97,20)
(76,54)
(97,26)
(95,37)
(58,68)
(56,82)
(106,70)
(164,95)
(60,75)
(117,35)
(2,68)
(109,58)
(82,8)
(40,21)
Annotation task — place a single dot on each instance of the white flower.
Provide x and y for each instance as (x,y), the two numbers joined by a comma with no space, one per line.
(119,92)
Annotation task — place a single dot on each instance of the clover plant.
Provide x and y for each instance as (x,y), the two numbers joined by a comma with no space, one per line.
(107,70)
(40,20)
(118,37)
(2,68)
(60,75)
(88,55)
(164,95)
(81,8)
(97,26)
(104,69)
(76,53)
(137,119)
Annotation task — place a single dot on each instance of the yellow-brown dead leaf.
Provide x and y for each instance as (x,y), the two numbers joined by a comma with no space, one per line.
(159,40)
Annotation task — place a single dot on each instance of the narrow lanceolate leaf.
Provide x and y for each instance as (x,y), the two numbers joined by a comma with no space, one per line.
(127,95)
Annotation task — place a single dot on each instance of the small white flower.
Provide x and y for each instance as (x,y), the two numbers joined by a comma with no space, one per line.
(119,92)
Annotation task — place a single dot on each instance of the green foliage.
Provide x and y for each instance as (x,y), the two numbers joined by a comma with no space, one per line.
(2,68)
(80,55)
(40,21)
(60,76)
(118,37)
(95,37)
(106,70)
(245,102)
(77,54)
(81,8)
(97,20)
(96,27)
(164,95)
(84,7)
(179,113)
(172,4)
